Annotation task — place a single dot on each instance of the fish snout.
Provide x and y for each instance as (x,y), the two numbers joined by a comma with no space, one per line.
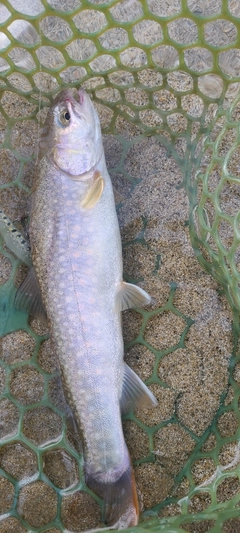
(81,94)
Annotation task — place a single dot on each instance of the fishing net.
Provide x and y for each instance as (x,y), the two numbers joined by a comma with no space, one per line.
(165,77)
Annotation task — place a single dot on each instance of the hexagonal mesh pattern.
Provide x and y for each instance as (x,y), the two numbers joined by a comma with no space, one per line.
(164,76)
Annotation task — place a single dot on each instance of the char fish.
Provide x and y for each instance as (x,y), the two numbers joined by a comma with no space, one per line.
(77,261)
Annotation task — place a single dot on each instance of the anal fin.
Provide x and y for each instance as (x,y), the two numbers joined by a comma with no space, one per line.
(28,297)
(135,394)
(130,295)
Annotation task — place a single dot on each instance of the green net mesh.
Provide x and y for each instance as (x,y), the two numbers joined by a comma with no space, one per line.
(165,77)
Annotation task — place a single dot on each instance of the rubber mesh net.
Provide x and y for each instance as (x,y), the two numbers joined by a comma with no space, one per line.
(159,71)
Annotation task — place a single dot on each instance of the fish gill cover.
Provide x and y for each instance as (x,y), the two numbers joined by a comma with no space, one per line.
(165,77)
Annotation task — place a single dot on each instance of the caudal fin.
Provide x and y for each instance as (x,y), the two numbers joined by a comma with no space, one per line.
(120,498)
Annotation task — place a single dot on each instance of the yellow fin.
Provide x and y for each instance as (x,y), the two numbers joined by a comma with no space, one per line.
(95,192)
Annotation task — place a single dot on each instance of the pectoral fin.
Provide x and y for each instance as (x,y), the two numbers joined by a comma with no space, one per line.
(135,394)
(129,295)
(28,297)
(94,193)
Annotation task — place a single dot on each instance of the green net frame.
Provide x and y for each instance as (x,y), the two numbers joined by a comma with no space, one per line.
(168,70)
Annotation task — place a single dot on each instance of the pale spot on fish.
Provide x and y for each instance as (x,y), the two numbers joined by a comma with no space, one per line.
(68,299)
(81,281)
(77,253)
(88,344)
(61,270)
(75,236)
(81,308)
(75,267)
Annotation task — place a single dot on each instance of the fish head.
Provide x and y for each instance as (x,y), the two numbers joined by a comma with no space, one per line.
(71,137)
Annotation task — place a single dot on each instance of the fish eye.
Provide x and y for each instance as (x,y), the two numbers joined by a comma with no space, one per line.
(64,117)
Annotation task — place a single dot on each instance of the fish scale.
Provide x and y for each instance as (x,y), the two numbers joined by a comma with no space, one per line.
(81,299)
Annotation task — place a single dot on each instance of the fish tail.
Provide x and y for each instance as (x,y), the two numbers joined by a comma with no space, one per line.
(119,495)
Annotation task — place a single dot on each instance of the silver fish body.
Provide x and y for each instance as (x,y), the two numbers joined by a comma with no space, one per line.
(76,273)
(76,253)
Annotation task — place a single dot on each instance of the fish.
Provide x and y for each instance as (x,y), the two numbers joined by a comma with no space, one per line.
(77,281)
(14,239)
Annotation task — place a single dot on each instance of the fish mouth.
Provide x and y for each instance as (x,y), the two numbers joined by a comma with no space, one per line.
(67,96)
(72,102)
(78,98)
(81,96)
